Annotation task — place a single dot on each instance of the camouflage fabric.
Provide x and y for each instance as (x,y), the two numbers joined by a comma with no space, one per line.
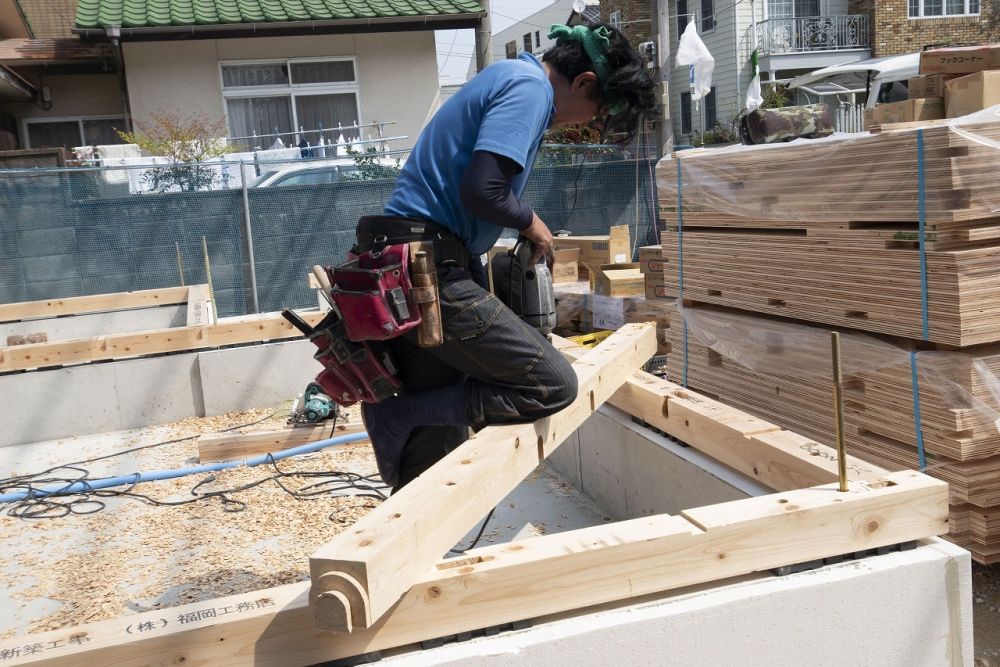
(769,126)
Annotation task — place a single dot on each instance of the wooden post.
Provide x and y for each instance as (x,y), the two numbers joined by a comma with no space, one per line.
(363,572)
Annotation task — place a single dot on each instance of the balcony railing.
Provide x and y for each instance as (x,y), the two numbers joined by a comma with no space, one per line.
(813,33)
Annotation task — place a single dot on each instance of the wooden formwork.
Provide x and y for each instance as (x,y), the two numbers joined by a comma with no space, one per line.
(383,584)
(202,330)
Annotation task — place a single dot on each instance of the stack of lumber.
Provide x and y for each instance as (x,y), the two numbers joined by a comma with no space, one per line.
(962,446)
(826,232)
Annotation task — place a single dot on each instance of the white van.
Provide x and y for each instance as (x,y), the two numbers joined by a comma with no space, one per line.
(869,82)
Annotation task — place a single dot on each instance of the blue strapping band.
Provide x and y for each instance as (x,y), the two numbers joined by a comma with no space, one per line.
(680,269)
(917,424)
(922,211)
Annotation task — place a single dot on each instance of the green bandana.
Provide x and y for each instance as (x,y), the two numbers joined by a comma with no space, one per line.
(596,43)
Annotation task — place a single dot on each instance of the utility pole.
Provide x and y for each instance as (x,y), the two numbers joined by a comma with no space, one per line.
(660,11)
(484,38)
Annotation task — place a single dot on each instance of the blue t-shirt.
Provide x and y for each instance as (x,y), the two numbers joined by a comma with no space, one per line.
(505,109)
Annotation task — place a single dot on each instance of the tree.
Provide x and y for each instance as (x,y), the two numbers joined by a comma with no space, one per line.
(185,142)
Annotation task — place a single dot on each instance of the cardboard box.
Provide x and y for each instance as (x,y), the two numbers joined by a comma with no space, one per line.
(618,280)
(972,93)
(960,59)
(651,259)
(595,251)
(656,288)
(565,267)
(927,85)
(907,111)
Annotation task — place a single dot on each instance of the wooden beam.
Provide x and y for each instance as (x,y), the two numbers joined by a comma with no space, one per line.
(236,446)
(119,346)
(777,458)
(363,572)
(200,309)
(30,310)
(527,579)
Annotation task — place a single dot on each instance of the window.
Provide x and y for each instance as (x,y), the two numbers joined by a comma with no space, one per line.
(935,8)
(527,43)
(685,113)
(511,49)
(72,132)
(786,9)
(711,114)
(288,95)
(616,19)
(538,40)
(682,17)
(707,15)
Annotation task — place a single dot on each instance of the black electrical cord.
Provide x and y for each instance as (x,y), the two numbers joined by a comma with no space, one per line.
(47,506)
(482,529)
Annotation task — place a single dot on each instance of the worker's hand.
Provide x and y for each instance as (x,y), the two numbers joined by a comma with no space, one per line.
(541,240)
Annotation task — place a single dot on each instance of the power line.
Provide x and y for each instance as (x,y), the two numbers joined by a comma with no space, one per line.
(454,36)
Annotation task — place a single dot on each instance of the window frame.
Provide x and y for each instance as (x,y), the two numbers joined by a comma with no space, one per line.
(526,42)
(704,16)
(510,49)
(683,18)
(615,19)
(538,39)
(41,120)
(944,9)
(689,128)
(715,111)
(291,90)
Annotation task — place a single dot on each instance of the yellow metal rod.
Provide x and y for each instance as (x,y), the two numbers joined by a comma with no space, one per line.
(838,408)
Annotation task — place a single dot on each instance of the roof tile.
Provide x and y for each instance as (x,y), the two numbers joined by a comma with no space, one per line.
(154,13)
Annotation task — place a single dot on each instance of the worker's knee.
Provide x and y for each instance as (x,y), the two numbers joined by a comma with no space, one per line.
(559,381)
(563,393)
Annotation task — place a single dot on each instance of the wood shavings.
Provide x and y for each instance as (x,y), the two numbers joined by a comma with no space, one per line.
(133,557)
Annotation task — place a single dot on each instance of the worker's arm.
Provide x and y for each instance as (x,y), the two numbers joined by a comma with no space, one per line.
(486,191)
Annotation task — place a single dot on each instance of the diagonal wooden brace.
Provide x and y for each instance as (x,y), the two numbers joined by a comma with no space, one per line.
(390,548)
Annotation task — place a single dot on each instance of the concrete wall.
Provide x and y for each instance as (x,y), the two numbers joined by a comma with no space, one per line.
(99,324)
(912,608)
(397,74)
(102,397)
(631,471)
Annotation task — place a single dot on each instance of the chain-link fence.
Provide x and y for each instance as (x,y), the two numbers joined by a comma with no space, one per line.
(79,231)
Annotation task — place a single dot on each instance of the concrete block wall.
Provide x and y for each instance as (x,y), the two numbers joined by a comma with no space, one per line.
(894,33)
(72,234)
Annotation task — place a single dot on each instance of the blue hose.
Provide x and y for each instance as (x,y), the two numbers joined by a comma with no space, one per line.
(135,478)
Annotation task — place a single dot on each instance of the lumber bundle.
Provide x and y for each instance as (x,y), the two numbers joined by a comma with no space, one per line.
(861,177)
(828,231)
(962,445)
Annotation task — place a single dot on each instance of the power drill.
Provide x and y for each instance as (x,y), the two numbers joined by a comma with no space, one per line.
(524,287)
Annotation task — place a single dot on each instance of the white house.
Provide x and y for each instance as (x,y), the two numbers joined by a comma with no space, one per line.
(531,33)
(793,37)
(262,67)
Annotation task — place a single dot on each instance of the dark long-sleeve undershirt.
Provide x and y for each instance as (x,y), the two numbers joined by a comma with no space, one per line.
(485,190)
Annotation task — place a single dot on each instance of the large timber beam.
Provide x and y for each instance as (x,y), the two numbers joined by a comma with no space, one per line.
(77,305)
(363,572)
(526,579)
(120,346)
(236,446)
(777,458)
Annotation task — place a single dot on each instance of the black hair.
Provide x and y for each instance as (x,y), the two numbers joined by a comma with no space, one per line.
(628,82)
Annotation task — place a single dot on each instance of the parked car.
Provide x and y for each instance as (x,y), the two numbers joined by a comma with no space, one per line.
(869,82)
(316,172)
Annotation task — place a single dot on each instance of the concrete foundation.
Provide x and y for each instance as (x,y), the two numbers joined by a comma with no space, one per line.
(130,393)
(909,609)
(99,324)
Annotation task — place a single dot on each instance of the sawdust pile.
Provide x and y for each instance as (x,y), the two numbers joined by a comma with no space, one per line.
(134,557)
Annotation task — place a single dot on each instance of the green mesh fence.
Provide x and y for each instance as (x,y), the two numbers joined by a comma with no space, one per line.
(80,231)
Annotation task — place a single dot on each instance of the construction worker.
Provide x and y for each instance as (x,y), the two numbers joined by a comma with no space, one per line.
(461,187)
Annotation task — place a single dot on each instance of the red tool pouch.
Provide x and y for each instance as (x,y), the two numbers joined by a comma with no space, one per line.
(352,371)
(373,293)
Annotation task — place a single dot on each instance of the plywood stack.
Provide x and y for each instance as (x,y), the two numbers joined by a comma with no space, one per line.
(828,232)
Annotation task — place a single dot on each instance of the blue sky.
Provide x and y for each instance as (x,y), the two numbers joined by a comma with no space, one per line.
(456,47)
